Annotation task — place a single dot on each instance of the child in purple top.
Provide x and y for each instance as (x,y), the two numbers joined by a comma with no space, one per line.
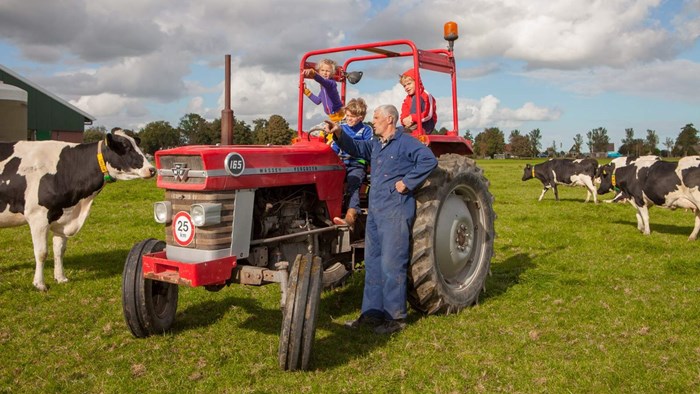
(328,96)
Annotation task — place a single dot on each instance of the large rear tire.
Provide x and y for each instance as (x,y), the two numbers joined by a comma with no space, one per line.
(149,305)
(452,237)
(299,316)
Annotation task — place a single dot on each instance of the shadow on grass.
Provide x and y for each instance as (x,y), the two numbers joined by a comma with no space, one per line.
(209,312)
(507,274)
(660,228)
(339,345)
(104,264)
(334,345)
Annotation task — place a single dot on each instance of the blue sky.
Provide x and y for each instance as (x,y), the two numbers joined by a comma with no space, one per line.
(565,67)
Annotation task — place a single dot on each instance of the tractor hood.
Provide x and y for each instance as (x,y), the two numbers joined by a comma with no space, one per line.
(231,167)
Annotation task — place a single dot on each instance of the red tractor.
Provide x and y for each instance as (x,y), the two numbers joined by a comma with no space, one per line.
(257,215)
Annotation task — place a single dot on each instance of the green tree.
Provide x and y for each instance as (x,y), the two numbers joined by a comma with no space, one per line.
(490,142)
(628,143)
(468,135)
(519,145)
(242,134)
(669,143)
(578,144)
(651,142)
(535,137)
(443,130)
(686,141)
(598,140)
(94,134)
(276,132)
(158,135)
(195,130)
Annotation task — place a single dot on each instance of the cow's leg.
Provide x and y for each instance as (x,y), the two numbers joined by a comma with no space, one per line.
(590,189)
(696,229)
(556,192)
(544,190)
(59,247)
(644,215)
(40,233)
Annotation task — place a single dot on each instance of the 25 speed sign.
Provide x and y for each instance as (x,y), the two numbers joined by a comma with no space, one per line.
(183,228)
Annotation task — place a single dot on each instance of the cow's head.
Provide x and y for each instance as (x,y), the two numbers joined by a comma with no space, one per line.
(606,174)
(124,159)
(528,172)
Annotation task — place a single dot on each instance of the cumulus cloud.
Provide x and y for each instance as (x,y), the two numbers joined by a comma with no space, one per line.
(141,55)
(488,112)
(675,79)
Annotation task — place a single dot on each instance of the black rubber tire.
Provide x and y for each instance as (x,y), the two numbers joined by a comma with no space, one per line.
(299,316)
(335,275)
(149,306)
(452,237)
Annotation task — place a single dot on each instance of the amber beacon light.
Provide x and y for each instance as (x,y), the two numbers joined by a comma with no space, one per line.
(451,33)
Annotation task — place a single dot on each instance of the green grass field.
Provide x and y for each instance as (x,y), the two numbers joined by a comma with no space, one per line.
(579,301)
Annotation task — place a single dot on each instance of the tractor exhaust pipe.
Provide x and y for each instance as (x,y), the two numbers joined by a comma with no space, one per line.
(227,112)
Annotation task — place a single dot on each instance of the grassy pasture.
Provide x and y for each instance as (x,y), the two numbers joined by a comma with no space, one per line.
(579,301)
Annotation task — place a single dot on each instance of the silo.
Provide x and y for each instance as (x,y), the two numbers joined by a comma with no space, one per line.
(13,113)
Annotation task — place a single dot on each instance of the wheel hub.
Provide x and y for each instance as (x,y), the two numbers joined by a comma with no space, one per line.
(454,239)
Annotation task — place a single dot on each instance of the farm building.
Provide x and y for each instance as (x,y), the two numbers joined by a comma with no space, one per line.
(32,112)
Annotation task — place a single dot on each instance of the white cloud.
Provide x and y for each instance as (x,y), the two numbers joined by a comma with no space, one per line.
(116,59)
(488,112)
(677,79)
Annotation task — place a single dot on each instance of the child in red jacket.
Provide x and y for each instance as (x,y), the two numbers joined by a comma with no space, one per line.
(410,112)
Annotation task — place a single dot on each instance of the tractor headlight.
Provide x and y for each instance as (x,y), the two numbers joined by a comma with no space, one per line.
(163,211)
(205,214)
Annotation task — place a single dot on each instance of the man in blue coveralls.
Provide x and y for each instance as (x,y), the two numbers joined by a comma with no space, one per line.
(400,163)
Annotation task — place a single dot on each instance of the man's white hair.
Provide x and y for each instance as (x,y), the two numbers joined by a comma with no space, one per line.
(389,110)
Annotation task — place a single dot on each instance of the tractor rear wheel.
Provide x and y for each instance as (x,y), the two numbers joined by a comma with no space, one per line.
(149,305)
(299,315)
(452,237)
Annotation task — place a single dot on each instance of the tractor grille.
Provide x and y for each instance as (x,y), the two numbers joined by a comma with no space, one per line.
(193,163)
(213,237)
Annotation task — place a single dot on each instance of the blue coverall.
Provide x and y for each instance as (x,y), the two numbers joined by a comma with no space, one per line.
(391,216)
(355,168)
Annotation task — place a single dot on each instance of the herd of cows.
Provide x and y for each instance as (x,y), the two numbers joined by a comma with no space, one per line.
(51,185)
(642,181)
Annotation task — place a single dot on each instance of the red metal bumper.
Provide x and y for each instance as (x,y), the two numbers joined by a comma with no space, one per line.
(156,266)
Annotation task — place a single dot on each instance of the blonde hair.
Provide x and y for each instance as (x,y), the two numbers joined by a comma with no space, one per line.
(405,78)
(357,106)
(327,62)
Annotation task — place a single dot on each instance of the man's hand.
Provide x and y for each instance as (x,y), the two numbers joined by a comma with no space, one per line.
(401,187)
(332,127)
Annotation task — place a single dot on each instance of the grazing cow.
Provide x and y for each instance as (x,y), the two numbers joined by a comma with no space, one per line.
(50,185)
(621,197)
(654,182)
(553,172)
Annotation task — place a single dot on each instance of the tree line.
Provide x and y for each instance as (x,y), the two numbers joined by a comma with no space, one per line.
(491,142)
(193,129)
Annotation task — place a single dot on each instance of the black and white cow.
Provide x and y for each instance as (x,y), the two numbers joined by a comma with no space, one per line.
(655,182)
(553,172)
(50,185)
(622,197)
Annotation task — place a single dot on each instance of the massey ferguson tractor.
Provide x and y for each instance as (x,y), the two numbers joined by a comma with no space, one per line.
(261,214)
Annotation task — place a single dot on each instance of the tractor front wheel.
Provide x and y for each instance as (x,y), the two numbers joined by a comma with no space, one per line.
(299,315)
(149,305)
